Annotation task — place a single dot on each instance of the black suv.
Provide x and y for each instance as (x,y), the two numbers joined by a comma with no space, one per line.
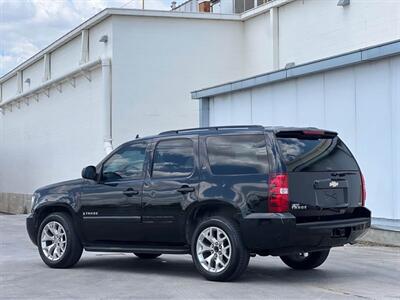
(221,194)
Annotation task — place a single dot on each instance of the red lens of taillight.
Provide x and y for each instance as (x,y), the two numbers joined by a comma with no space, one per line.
(278,198)
(363,190)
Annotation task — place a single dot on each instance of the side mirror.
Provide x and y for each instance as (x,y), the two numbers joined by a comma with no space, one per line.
(89,173)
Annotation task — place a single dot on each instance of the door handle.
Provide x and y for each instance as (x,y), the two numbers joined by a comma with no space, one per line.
(185,189)
(129,192)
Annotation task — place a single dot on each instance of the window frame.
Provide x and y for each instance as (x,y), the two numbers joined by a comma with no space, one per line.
(126,145)
(168,177)
(268,162)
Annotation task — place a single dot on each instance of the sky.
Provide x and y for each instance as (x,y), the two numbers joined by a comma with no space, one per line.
(27,26)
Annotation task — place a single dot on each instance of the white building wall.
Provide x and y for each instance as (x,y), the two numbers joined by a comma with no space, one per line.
(157,62)
(9,88)
(314,29)
(362,103)
(53,139)
(34,73)
(257,45)
(96,48)
(66,58)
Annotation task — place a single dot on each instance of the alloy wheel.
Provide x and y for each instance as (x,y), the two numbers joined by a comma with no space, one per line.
(213,249)
(53,240)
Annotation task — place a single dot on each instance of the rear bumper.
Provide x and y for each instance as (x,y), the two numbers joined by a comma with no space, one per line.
(279,234)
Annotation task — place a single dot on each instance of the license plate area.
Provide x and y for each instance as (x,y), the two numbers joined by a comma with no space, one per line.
(331,193)
(331,198)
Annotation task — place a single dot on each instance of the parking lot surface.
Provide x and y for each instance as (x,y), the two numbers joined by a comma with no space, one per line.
(351,272)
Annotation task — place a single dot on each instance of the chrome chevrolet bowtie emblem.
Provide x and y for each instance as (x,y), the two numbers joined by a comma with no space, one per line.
(333,184)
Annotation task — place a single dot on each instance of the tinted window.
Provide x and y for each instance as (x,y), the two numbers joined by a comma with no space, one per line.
(317,154)
(173,158)
(125,163)
(239,154)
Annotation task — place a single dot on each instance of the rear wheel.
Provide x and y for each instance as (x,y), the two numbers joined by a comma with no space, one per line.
(58,244)
(306,260)
(147,255)
(218,251)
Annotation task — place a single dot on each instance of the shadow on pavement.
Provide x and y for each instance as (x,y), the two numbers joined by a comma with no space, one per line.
(131,264)
(171,266)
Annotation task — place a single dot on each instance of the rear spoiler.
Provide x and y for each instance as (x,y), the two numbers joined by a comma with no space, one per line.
(307,134)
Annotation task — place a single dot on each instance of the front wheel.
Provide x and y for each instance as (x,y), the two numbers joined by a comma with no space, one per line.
(218,251)
(305,261)
(59,246)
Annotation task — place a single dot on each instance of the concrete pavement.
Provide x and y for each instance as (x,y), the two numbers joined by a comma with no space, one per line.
(352,272)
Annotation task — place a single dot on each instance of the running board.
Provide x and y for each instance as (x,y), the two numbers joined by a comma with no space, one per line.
(140,249)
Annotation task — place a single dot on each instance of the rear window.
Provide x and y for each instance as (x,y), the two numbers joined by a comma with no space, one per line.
(316,154)
(237,154)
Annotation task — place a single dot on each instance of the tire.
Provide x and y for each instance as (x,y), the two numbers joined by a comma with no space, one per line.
(147,255)
(231,259)
(70,248)
(301,262)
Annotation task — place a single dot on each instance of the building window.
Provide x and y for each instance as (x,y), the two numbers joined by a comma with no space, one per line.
(244,5)
(248,4)
(239,6)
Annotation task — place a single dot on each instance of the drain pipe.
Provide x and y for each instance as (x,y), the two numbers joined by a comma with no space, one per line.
(106,111)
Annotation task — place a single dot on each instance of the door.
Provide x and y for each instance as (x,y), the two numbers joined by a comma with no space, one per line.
(111,207)
(171,186)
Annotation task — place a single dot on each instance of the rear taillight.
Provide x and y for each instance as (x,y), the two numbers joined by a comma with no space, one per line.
(278,198)
(363,190)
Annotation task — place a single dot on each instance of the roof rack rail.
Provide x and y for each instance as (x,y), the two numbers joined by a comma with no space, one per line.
(214,128)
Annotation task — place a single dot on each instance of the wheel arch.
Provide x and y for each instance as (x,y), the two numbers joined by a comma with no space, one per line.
(45,210)
(207,209)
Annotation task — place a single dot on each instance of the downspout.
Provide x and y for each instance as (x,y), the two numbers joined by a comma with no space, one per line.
(274,25)
(106,111)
